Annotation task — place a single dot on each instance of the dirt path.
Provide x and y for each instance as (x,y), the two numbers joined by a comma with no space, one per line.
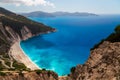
(3,63)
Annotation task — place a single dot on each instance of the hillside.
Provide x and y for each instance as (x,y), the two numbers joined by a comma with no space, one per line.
(56,14)
(103,63)
(13,29)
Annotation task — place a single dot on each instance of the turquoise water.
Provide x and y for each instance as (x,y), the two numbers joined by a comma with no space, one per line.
(72,42)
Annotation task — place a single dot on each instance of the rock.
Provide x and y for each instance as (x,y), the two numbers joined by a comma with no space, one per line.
(29,76)
(103,64)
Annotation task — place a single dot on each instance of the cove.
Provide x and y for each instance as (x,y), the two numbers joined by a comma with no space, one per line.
(71,44)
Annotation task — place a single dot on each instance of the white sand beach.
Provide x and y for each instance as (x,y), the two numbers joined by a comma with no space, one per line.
(17,53)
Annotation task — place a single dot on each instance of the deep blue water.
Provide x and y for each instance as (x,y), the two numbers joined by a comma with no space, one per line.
(72,42)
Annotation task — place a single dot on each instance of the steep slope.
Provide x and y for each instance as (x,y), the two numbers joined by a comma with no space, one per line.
(43,75)
(103,63)
(13,29)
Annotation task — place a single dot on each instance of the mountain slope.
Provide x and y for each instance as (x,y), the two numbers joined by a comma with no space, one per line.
(55,14)
(104,61)
(13,29)
(38,14)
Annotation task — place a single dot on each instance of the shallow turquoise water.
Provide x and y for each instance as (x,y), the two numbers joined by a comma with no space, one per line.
(71,44)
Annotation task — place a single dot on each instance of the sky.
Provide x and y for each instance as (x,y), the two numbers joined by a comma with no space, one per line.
(92,6)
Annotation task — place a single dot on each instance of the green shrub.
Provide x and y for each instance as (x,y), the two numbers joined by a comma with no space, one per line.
(114,37)
(49,72)
(38,71)
(97,45)
(7,63)
(2,74)
(21,74)
(19,66)
(73,69)
(1,66)
(117,29)
(11,69)
(43,69)
(6,56)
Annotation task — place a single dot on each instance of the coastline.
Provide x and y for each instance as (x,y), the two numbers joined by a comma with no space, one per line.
(18,54)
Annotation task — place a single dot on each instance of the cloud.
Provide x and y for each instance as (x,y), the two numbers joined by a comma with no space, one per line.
(28,2)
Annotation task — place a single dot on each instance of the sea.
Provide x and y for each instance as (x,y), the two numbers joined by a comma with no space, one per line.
(70,45)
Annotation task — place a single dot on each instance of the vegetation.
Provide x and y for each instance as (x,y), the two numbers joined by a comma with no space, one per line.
(43,69)
(97,45)
(73,69)
(114,37)
(7,63)
(117,29)
(38,71)
(19,66)
(16,23)
(2,74)
(1,66)
(20,73)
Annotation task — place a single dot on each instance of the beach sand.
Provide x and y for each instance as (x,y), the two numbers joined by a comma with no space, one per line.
(17,53)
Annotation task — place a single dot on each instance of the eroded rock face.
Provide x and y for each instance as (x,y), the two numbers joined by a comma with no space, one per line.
(103,64)
(30,76)
(12,40)
(26,33)
(13,29)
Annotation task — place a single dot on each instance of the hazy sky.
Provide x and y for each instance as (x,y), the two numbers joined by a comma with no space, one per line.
(93,6)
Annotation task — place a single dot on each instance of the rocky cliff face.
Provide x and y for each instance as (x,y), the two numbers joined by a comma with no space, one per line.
(30,76)
(103,64)
(13,29)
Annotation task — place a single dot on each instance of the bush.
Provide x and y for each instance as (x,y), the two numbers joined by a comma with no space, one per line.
(73,69)
(43,69)
(49,72)
(19,66)
(38,71)
(117,29)
(1,66)
(114,37)
(21,74)
(2,74)
(7,63)
(97,45)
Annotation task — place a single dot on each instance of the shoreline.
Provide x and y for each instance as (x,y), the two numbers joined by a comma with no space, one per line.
(28,56)
(18,54)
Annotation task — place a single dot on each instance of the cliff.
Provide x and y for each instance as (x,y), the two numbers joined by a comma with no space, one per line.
(103,64)
(104,61)
(43,75)
(13,29)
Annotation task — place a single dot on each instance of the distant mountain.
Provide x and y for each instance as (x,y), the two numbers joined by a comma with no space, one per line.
(73,14)
(55,14)
(103,63)
(38,14)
